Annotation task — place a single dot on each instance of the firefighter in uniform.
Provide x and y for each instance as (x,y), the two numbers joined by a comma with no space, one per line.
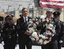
(9,34)
(59,29)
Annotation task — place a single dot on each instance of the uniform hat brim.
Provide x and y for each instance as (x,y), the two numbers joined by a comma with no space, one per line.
(49,10)
(9,18)
(56,13)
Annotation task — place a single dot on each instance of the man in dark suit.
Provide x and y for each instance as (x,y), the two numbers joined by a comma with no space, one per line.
(22,26)
(59,28)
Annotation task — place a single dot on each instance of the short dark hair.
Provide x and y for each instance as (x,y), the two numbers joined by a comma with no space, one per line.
(23,9)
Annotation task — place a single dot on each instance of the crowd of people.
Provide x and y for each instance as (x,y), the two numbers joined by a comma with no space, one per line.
(13,34)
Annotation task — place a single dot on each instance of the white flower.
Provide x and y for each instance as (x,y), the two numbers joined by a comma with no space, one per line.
(35,36)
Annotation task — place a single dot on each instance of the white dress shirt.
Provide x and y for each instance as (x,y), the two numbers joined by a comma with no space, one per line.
(25,19)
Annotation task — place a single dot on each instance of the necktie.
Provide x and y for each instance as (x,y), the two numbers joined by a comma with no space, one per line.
(25,19)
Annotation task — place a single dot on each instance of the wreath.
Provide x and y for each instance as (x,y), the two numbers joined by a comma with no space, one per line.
(38,38)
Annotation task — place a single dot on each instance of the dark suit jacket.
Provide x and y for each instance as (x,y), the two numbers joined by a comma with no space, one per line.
(21,28)
(59,30)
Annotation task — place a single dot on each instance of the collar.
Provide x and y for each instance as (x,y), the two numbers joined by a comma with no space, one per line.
(24,16)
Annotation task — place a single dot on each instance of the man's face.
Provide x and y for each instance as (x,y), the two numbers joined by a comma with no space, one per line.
(49,14)
(25,12)
(10,21)
(57,17)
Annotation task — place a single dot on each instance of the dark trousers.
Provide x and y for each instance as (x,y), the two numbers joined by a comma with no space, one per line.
(9,44)
(51,45)
(23,43)
(6,46)
(59,45)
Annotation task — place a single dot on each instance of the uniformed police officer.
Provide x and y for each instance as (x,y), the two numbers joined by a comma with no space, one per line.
(9,34)
(59,28)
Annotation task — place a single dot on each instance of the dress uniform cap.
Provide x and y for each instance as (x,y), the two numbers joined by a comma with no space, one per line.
(9,18)
(56,13)
(12,15)
(49,10)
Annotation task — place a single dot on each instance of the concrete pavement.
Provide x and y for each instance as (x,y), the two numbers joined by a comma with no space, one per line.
(33,47)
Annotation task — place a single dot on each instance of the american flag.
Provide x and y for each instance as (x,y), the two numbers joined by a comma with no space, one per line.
(52,3)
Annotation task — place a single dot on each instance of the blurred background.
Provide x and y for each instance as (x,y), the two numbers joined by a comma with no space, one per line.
(14,7)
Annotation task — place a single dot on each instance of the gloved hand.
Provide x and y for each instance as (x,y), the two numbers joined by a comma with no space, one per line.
(60,41)
(2,42)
